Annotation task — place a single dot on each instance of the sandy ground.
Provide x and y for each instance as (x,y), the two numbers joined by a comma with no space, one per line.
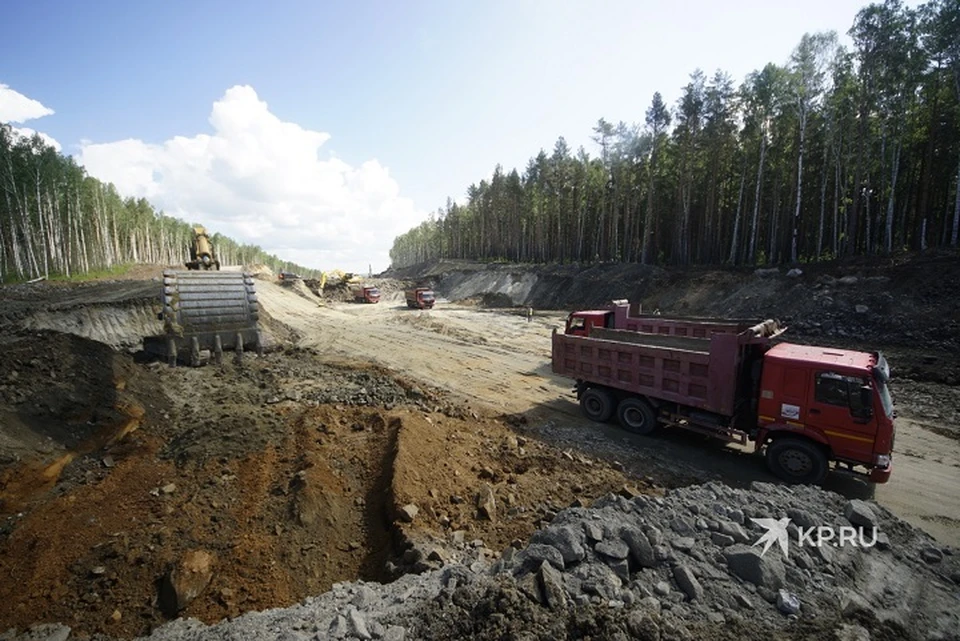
(501,362)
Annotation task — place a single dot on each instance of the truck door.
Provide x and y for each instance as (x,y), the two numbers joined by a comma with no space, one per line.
(838,409)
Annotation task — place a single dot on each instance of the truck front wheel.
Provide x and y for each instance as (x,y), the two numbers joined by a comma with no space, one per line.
(597,404)
(797,461)
(636,416)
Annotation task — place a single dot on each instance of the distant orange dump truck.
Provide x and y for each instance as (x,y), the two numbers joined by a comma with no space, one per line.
(420,298)
(364,293)
(808,406)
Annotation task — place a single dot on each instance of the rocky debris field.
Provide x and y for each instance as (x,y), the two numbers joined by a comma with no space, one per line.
(682,566)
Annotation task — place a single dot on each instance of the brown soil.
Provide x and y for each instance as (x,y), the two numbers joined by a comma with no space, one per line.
(292,469)
(290,496)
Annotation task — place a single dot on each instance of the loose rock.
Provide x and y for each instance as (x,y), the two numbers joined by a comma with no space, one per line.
(186,580)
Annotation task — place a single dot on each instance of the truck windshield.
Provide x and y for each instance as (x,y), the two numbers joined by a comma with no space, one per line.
(427,296)
(373,291)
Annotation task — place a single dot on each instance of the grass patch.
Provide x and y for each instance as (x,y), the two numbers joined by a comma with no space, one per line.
(116,270)
(96,274)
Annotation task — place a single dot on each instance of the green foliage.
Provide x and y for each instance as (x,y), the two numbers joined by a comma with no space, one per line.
(803,147)
(56,221)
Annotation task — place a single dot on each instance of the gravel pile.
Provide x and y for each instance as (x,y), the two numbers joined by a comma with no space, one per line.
(685,566)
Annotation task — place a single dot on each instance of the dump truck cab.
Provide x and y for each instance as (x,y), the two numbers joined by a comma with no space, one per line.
(364,293)
(420,298)
(580,323)
(837,400)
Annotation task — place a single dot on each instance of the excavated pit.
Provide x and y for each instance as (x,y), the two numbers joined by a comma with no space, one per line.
(289,497)
(291,473)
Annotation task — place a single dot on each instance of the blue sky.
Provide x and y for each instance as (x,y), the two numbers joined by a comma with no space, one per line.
(436,93)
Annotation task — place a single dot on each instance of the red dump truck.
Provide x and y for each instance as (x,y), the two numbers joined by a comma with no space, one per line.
(622,314)
(364,293)
(420,298)
(806,405)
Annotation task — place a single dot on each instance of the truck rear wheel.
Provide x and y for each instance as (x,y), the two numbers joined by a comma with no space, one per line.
(597,404)
(636,415)
(797,461)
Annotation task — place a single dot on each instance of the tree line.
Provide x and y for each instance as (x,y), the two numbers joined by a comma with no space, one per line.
(55,220)
(837,152)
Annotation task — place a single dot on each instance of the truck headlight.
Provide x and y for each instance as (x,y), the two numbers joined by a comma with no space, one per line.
(883,460)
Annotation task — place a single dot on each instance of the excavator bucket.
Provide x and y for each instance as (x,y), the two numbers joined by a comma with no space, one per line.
(205,313)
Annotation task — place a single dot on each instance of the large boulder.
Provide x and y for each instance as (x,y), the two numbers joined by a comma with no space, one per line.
(186,580)
(765,570)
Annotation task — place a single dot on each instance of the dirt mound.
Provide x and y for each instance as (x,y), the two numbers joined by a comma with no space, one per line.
(63,396)
(479,479)
(301,288)
(261,272)
(288,471)
(675,567)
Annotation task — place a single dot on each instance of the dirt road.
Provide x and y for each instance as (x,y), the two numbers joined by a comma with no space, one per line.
(500,361)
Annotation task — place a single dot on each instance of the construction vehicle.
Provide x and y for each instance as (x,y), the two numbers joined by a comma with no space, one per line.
(205,313)
(621,314)
(336,278)
(288,277)
(806,405)
(364,293)
(201,251)
(420,298)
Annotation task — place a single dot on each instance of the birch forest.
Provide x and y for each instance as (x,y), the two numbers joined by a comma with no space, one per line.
(837,152)
(56,221)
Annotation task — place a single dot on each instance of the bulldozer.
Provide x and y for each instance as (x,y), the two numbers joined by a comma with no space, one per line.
(201,251)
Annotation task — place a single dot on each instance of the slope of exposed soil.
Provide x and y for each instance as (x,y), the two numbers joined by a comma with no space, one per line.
(288,470)
(897,302)
(373,440)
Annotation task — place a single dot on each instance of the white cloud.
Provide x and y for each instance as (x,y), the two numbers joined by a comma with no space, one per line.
(260,180)
(15,107)
(26,132)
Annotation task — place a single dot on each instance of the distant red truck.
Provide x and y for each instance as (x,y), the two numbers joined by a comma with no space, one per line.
(420,298)
(364,293)
(806,405)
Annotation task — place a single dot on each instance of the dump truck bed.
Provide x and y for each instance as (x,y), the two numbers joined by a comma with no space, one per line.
(697,372)
(629,318)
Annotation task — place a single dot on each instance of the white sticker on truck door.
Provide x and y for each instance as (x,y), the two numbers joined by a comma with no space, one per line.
(789,411)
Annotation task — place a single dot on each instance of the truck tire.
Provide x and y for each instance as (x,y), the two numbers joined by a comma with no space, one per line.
(635,415)
(597,404)
(797,460)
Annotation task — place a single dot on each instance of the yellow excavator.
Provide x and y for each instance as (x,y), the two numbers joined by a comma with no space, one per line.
(335,276)
(201,251)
